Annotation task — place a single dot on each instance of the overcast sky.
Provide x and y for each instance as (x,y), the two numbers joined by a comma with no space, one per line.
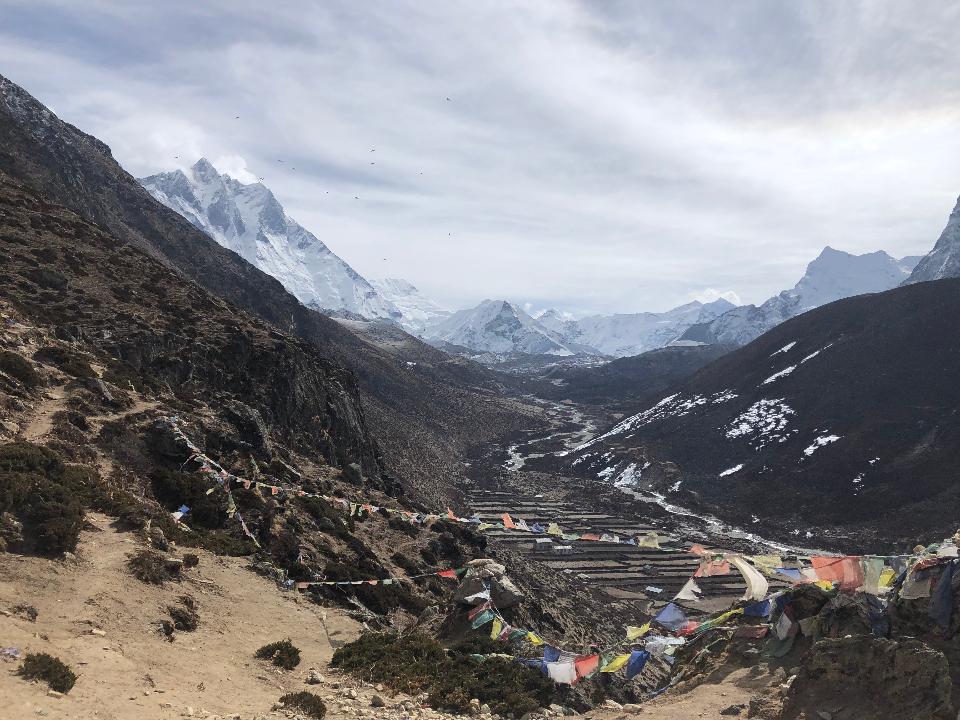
(594,156)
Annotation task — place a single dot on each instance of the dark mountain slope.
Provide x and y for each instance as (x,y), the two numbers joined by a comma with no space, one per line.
(624,384)
(848,415)
(151,330)
(422,418)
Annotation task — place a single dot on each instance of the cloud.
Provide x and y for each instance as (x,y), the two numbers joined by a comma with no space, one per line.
(234,166)
(592,156)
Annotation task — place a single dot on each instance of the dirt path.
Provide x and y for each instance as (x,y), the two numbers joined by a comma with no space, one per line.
(41,423)
(132,671)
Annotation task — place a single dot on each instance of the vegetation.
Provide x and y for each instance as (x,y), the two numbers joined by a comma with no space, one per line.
(43,494)
(149,567)
(67,361)
(417,663)
(283,654)
(190,560)
(184,615)
(379,598)
(305,702)
(18,368)
(41,666)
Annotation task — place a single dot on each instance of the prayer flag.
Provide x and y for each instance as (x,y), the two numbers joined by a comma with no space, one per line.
(563,673)
(508,522)
(635,663)
(671,617)
(497,627)
(614,663)
(587,666)
(637,632)
(845,570)
(482,619)
(447,574)
(534,639)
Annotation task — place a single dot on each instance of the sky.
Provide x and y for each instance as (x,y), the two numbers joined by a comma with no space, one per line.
(597,157)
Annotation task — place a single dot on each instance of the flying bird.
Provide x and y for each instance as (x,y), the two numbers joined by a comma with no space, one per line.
(448,99)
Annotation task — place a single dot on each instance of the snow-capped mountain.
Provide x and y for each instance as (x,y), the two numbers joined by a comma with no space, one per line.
(623,335)
(417,311)
(944,260)
(248,220)
(497,326)
(833,275)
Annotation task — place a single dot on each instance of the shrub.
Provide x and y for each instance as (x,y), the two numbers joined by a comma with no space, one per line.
(328,519)
(173,489)
(19,368)
(27,612)
(417,663)
(283,654)
(379,598)
(190,560)
(219,542)
(306,702)
(404,526)
(185,616)
(67,361)
(149,567)
(41,666)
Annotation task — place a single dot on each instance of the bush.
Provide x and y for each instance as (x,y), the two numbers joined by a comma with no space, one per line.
(417,663)
(404,526)
(67,361)
(328,519)
(283,654)
(190,560)
(41,666)
(185,616)
(379,598)
(219,542)
(306,702)
(19,368)
(149,567)
(173,489)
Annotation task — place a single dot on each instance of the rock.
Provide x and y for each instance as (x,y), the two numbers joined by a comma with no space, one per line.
(881,678)
(612,704)
(485,710)
(733,709)
(377,702)
(824,715)
(158,539)
(10,427)
(474,706)
(314,677)
(633,709)
(97,631)
(54,694)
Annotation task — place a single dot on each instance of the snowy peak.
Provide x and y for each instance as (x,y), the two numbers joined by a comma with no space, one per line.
(248,219)
(498,326)
(833,275)
(417,311)
(944,260)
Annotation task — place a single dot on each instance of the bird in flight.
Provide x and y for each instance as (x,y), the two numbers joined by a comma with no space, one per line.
(448,99)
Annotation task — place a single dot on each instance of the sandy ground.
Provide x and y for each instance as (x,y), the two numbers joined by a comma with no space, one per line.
(132,670)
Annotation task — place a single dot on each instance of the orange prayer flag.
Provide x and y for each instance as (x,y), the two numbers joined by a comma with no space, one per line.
(508,522)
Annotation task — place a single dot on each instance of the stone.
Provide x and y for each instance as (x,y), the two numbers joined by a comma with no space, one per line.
(633,709)
(314,677)
(612,704)
(377,702)
(97,631)
(733,709)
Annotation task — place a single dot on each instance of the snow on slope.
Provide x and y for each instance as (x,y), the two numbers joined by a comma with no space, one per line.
(944,260)
(498,326)
(417,311)
(248,220)
(833,275)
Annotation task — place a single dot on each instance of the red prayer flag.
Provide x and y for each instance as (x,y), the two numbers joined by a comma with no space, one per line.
(845,570)
(586,665)
(448,573)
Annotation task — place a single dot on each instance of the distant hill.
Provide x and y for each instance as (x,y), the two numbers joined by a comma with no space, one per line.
(844,421)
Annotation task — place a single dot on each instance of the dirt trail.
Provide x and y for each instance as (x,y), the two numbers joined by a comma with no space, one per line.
(132,671)
(41,423)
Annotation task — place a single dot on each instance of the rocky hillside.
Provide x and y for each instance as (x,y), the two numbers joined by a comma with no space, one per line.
(838,426)
(422,415)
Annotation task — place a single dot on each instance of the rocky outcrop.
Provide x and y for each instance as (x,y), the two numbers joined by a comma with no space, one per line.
(944,260)
(870,679)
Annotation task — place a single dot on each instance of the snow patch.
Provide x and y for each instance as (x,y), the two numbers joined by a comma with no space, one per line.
(763,422)
(819,443)
(731,471)
(782,373)
(785,348)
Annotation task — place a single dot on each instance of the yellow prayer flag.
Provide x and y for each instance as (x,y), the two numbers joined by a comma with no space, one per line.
(496,629)
(887,577)
(618,662)
(767,563)
(649,540)
(554,529)
(637,632)
(534,638)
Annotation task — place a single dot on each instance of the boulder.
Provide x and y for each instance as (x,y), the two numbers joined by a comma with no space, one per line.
(880,678)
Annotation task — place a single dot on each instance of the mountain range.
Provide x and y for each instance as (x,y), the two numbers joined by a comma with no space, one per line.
(944,260)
